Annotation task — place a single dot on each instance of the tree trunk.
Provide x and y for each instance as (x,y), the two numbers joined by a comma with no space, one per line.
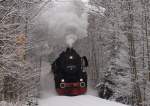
(136,93)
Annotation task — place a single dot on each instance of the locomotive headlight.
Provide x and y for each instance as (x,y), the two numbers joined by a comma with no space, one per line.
(81,79)
(70,57)
(62,80)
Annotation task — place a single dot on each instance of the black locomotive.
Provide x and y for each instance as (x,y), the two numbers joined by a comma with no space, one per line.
(69,74)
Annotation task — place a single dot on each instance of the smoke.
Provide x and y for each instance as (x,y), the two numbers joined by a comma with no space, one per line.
(63,22)
(70,39)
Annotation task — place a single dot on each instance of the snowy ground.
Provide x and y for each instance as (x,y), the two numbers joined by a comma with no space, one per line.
(4,103)
(84,100)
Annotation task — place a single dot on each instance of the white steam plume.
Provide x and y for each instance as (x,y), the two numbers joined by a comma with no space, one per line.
(70,39)
(63,23)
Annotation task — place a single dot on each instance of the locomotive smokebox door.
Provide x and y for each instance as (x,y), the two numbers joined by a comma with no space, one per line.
(70,79)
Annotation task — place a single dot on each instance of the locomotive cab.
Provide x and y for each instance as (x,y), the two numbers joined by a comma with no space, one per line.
(69,75)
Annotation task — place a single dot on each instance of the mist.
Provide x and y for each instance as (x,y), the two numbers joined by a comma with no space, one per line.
(62,23)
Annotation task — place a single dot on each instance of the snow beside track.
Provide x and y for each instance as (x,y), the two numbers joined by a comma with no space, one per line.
(83,100)
(4,103)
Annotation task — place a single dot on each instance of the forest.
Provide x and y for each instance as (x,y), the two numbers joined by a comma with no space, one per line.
(114,37)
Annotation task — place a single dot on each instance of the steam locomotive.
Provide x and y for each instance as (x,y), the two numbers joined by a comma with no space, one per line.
(69,73)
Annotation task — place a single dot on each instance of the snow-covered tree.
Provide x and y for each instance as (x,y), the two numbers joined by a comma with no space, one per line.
(124,46)
(16,71)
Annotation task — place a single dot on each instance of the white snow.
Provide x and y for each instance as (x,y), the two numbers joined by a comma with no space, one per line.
(83,100)
(4,103)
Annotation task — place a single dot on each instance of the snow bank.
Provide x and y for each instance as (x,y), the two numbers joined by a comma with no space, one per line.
(4,103)
(83,100)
